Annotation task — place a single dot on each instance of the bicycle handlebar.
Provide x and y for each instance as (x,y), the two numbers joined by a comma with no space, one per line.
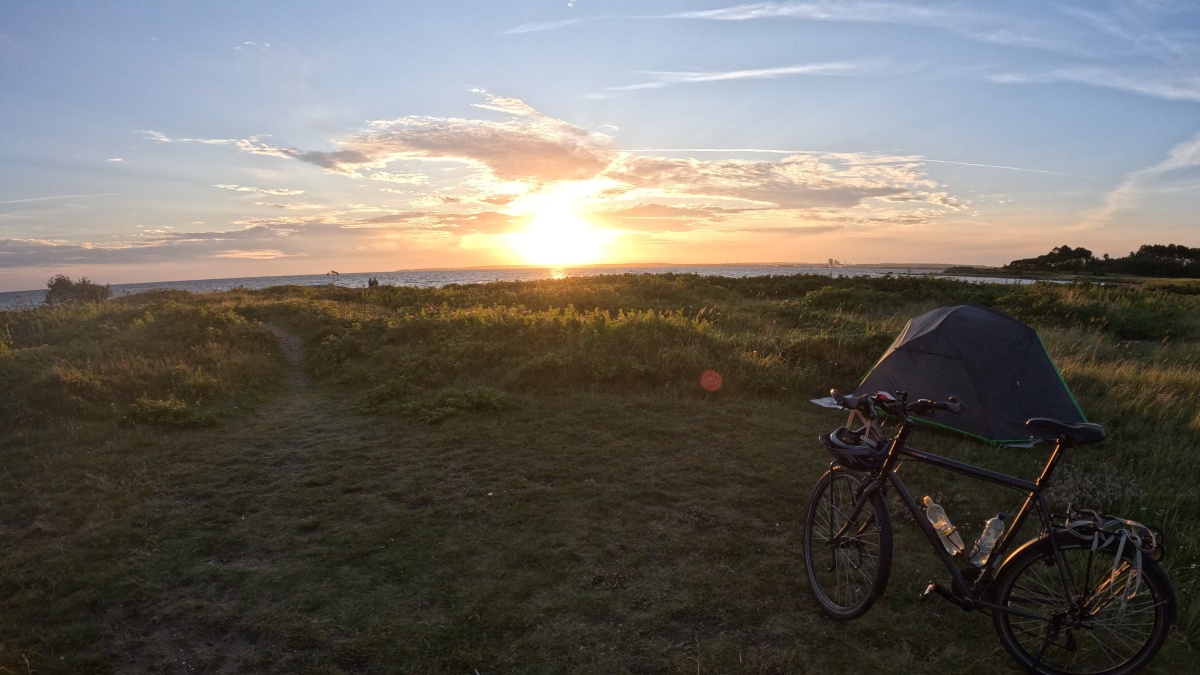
(898,407)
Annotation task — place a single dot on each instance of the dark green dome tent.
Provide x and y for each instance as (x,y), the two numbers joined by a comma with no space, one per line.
(996,365)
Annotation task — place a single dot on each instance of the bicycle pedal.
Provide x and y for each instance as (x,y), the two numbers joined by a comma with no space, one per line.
(935,587)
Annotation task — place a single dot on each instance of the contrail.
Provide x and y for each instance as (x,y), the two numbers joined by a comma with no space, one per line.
(993,166)
(46,199)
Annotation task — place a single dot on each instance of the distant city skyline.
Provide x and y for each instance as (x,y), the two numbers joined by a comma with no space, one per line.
(144,141)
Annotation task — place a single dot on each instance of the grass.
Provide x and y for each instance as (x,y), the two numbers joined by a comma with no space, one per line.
(519,476)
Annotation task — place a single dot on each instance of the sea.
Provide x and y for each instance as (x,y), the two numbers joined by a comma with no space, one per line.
(15,300)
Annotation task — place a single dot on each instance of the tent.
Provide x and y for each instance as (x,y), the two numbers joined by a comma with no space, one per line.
(996,365)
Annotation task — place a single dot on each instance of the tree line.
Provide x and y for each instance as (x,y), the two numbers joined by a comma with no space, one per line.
(1151,260)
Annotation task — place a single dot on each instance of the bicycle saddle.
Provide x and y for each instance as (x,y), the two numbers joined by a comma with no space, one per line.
(1077,433)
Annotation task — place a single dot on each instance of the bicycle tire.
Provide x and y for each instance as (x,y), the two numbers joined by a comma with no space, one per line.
(1110,630)
(846,576)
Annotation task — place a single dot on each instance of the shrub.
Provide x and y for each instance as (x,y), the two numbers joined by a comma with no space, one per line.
(60,290)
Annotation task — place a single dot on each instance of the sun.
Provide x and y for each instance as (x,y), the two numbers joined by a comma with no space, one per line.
(556,236)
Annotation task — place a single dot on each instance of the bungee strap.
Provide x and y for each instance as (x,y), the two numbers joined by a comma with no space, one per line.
(1103,530)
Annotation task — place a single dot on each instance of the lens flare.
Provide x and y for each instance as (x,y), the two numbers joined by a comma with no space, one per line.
(710,380)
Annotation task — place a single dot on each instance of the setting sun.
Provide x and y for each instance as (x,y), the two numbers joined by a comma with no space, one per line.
(559,236)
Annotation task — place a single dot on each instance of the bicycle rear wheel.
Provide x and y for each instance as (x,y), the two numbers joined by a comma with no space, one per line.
(1113,621)
(848,560)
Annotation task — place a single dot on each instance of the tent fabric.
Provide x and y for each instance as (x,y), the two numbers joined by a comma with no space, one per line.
(996,365)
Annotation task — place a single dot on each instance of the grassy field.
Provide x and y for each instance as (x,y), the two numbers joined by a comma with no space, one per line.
(522,477)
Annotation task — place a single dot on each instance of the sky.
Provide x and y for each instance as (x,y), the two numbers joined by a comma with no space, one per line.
(152,141)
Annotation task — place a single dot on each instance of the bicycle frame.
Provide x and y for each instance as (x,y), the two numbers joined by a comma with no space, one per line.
(967,595)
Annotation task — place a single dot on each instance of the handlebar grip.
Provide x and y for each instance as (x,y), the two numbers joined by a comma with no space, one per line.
(851,402)
(953,405)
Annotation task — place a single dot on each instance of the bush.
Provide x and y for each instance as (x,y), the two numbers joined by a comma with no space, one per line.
(60,290)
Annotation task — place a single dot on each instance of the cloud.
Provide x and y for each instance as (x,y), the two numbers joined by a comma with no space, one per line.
(874,12)
(1162,83)
(514,163)
(115,159)
(250,44)
(1183,156)
(279,205)
(549,25)
(799,181)
(654,217)
(435,200)
(408,178)
(253,145)
(990,25)
(265,191)
(528,146)
(530,151)
(257,254)
(58,197)
(666,79)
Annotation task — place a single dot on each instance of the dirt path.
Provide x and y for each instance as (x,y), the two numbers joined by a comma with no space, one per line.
(301,433)
(293,351)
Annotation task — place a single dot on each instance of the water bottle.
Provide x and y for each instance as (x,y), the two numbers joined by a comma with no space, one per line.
(987,540)
(941,524)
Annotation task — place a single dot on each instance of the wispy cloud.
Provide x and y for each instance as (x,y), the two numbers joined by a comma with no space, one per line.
(823,11)
(409,178)
(253,145)
(289,207)
(990,166)
(258,190)
(1177,85)
(1185,155)
(528,146)
(770,151)
(548,25)
(984,25)
(256,254)
(667,79)
(57,197)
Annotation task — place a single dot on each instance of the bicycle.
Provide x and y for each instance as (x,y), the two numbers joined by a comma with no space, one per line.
(1088,594)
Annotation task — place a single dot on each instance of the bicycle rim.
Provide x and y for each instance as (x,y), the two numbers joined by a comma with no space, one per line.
(1114,621)
(848,572)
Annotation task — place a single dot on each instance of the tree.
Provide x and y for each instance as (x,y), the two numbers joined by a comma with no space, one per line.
(1060,258)
(1151,260)
(60,290)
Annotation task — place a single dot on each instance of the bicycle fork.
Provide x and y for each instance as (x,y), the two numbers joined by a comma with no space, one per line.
(842,537)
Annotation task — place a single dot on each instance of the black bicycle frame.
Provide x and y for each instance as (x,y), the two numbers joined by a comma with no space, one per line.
(965,594)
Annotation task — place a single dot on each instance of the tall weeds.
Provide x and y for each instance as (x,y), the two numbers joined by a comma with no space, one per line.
(140,354)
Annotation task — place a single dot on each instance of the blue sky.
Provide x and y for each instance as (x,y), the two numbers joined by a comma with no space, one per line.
(144,141)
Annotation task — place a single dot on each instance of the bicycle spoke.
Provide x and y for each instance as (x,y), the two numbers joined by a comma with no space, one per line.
(842,547)
(1103,622)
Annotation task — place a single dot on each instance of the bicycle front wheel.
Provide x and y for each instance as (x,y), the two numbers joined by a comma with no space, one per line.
(1112,620)
(848,559)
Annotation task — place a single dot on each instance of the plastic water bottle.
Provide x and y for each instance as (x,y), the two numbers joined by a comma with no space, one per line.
(987,540)
(941,524)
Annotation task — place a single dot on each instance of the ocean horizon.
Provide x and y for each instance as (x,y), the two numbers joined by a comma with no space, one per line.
(13,300)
